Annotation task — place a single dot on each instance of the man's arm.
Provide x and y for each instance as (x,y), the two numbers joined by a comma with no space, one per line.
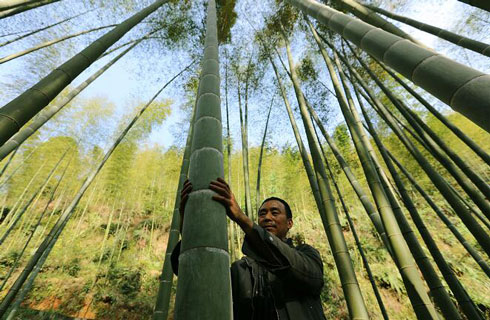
(302,268)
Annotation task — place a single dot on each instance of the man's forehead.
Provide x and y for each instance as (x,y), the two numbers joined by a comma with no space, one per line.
(271,204)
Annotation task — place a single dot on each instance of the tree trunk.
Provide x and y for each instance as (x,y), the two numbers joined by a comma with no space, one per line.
(166,278)
(48,243)
(455,84)
(434,145)
(461,41)
(261,154)
(352,291)
(462,297)
(27,5)
(354,233)
(366,14)
(439,182)
(49,43)
(405,262)
(460,134)
(476,256)
(205,294)
(48,113)
(482,4)
(42,29)
(19,111)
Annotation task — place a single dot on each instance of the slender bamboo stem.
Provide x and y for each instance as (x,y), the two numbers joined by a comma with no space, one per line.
(439,182)
(452,37)
(42,29)
(455,84)
(354,234)
(352,291)
(48,243)
(261,154)
(467,305)
(421,302)
(42,93)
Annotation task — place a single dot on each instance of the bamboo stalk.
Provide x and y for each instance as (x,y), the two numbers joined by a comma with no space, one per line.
(405,261)
(46,246)
(455,84)
(19,111)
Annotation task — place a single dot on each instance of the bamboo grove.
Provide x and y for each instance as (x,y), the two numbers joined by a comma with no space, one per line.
(378,141)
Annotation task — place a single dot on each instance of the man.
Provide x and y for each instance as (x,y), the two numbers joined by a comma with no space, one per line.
(275,280)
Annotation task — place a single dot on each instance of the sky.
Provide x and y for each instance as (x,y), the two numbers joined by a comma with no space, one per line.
(135,80)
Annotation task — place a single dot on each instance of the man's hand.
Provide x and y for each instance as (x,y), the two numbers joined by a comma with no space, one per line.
(184,196)
(227,199)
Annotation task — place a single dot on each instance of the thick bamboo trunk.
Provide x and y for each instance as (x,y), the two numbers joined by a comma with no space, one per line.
(354,233)
(27,5)
(482,4)
(48,113)
(48,243)
(457,39)
(166,278)
(467,305)
(405,262)
(205,294)
(460,134)
(350,286)
(437,147)
(464,89)
(366,14)
(439,182)
(19,111)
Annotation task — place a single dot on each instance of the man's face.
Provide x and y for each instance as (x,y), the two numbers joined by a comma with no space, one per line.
(273,218)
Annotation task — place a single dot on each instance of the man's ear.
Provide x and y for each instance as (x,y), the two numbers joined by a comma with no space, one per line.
(290,223)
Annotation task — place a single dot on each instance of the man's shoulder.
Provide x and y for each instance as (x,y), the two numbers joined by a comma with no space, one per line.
(306,248)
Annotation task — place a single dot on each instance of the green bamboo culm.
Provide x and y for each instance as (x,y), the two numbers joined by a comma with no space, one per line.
(457,39)
(366,14)
(45,247)
(460,134)
(42,29)
(404,260)
(15,7)
(9,4)
(462,88)
(166,278)
(460,293)
(438,147)
(353,296)
(205,294)
(482,4)
(439,182)
(354,232)
(351,302)
(19,111)
(49,43)
(261,155)
(50,111)
(469,248)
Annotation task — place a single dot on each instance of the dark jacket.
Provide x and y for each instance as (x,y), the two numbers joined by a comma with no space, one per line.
(293,275)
